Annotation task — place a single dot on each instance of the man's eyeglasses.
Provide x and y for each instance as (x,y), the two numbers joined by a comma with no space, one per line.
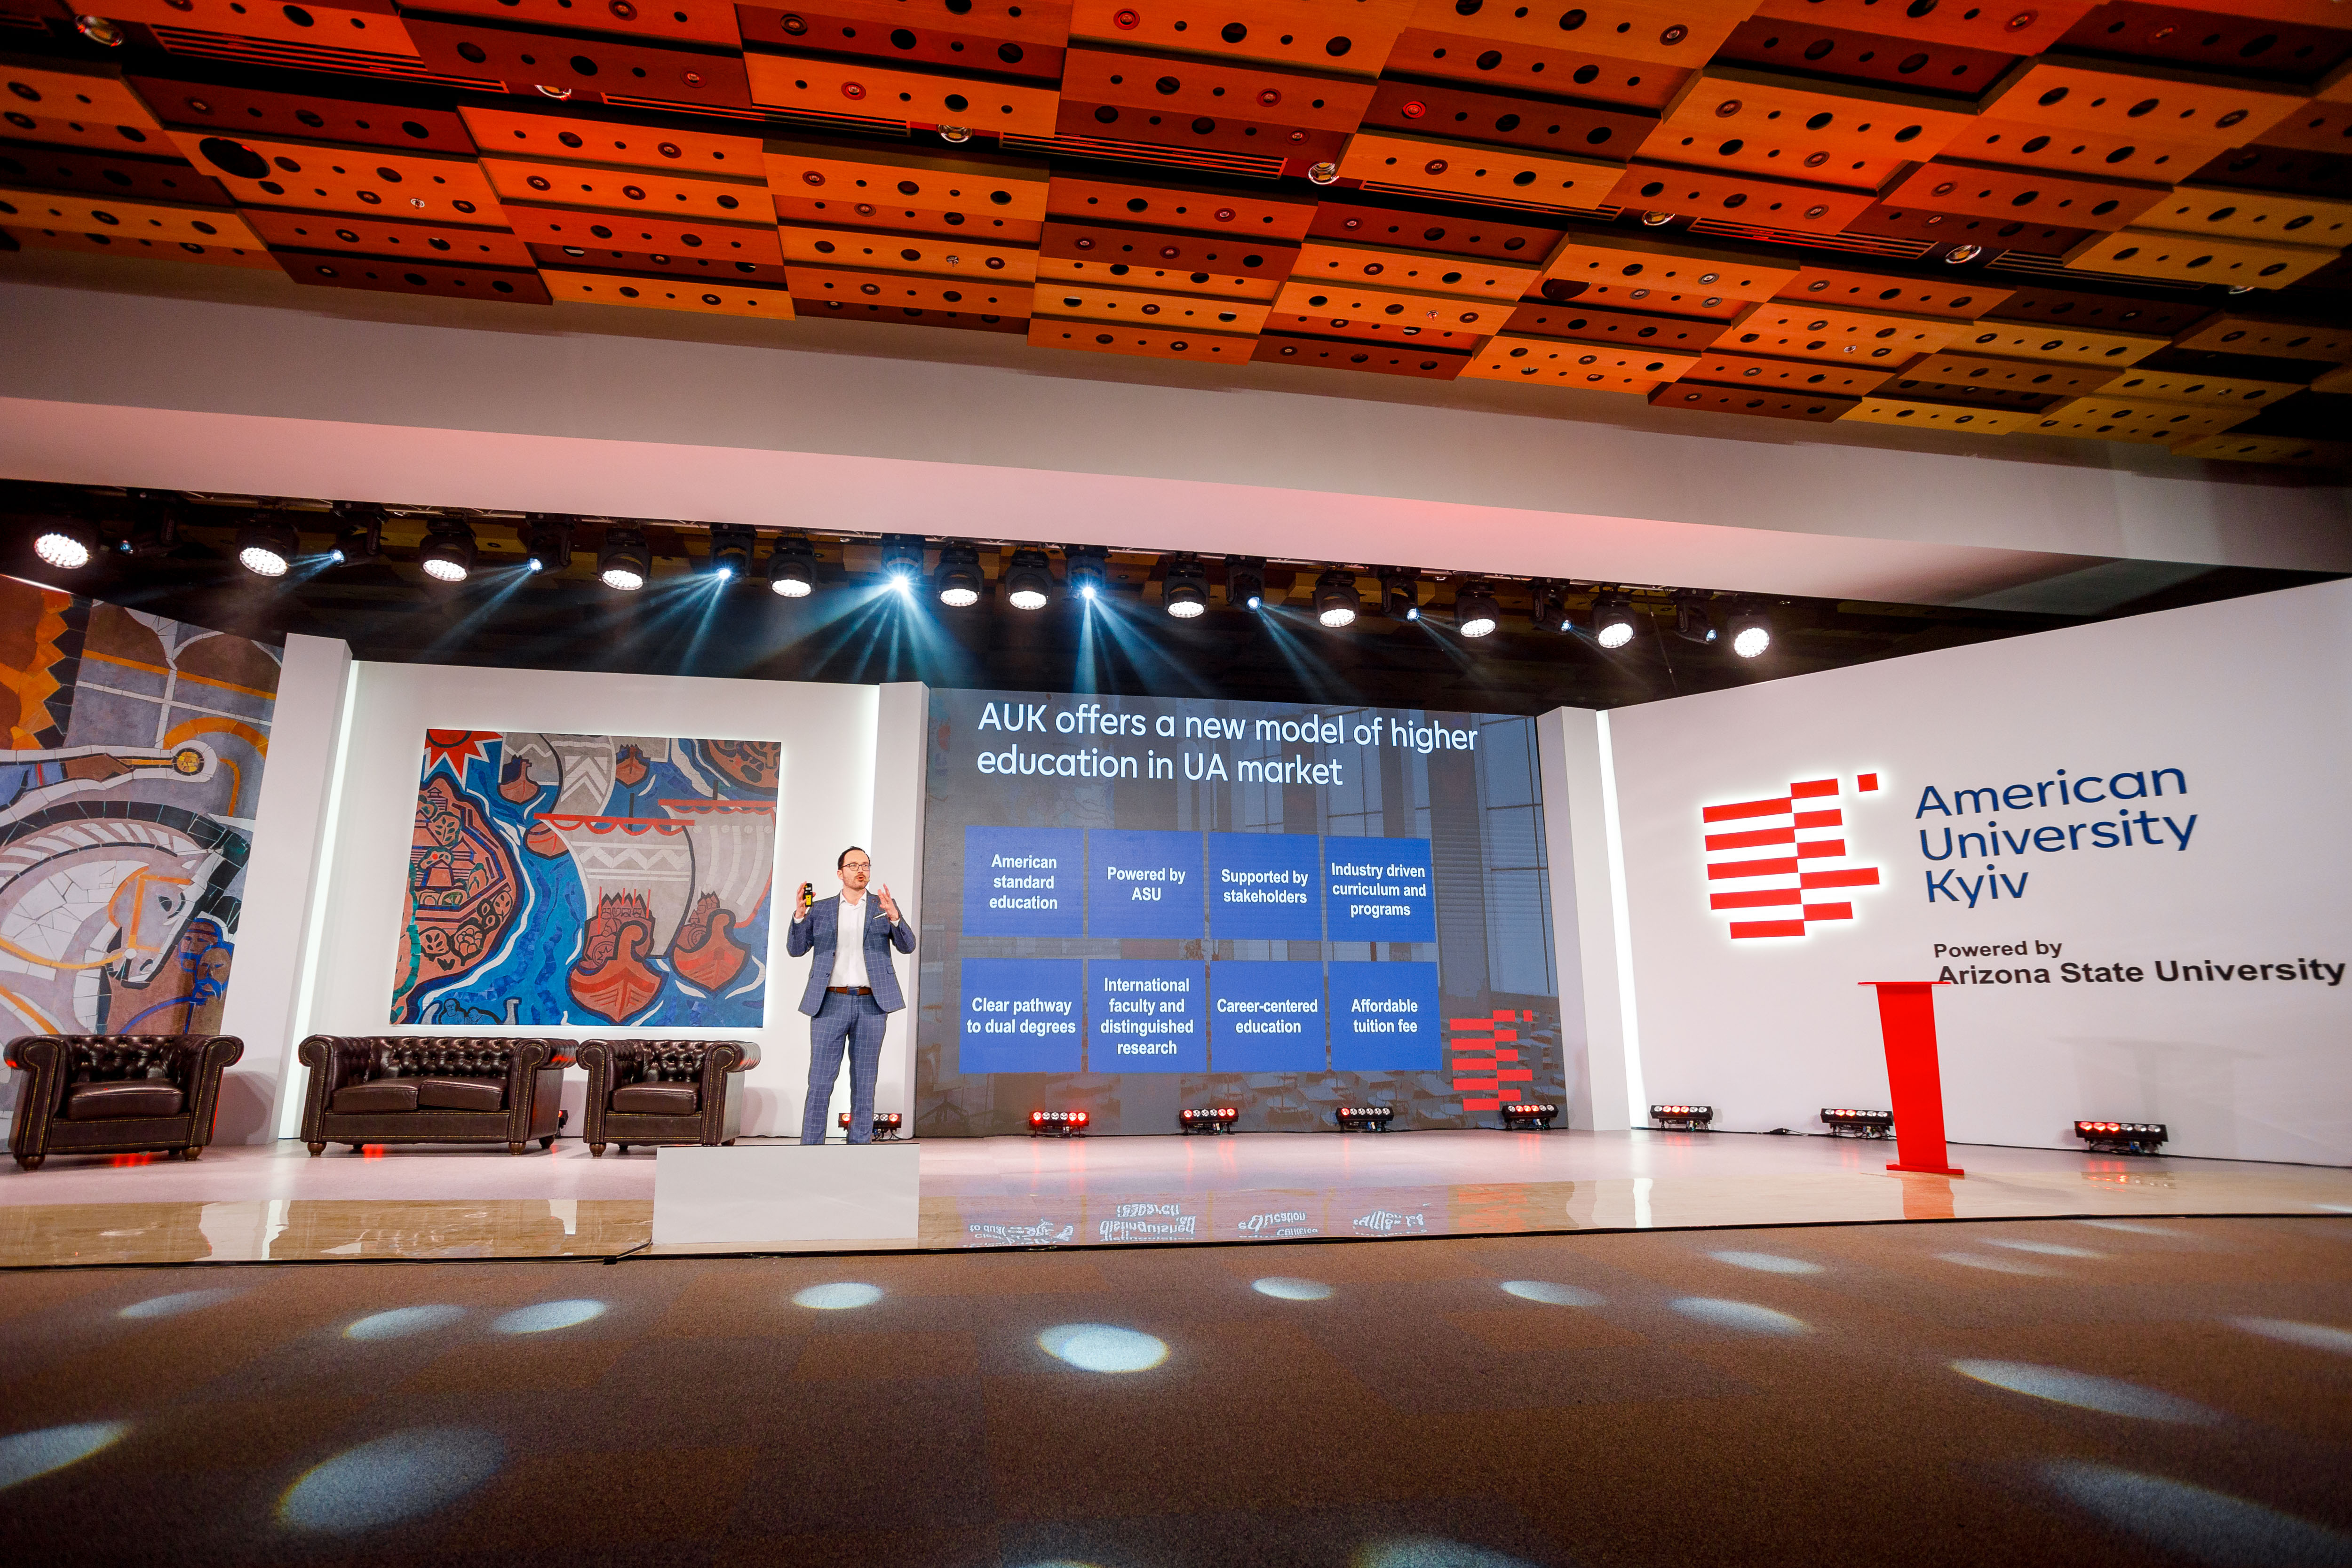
(857,865)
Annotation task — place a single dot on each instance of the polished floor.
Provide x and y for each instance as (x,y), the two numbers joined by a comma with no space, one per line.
(2160,1393)
(272,1202)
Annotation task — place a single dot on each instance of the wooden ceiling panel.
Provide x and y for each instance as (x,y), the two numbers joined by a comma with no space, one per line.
(616,140)
(1352,38)
(1151,343)
(1330,262)
(1548,362)
(1376,358)
(2200,257)
(866,28)
(1593,77)
(2021,28)
(943,257)
(2235,447)
(1473,171)
(715,299)
(2023,195)
(1912,414)
(2040,217)
(174,222)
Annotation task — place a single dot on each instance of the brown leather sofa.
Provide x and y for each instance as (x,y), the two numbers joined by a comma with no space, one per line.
(664,1092)
(117,1094)
(431,1089)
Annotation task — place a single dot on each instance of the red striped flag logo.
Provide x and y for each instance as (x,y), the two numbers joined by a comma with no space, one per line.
(1778,865)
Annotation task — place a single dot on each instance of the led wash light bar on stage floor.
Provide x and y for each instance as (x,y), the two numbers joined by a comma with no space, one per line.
(888,1124)
(1363,1117)
(1059,1123)
(1527,1116)
(1682,1117)
(1210,1119)
(2123,1137)
(1860,1123)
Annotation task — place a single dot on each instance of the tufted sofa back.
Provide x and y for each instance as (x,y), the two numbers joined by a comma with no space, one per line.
(664,1061)
(428,1056)
(113,1058)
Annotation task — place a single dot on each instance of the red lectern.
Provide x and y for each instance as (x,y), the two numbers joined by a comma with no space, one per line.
(1906,1018)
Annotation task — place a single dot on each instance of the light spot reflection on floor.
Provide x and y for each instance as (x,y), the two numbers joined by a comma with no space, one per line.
(1283,1289)
(544,1316)
(840,1296)
(29,1454)
(177,1302)
(1429,1552)
(2085,1391)
(402,1321)
(1992,1265)
(2198,1524)
(1743,1315)
(1767,1262)
(2047,1248)
(2315,1336)
(1551,1294)
(1099,1347)
(397,1476)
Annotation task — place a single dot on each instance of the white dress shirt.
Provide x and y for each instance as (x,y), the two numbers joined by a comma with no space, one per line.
(849,946)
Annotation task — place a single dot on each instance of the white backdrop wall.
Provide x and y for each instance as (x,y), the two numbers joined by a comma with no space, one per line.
(2250,700)
(829,735)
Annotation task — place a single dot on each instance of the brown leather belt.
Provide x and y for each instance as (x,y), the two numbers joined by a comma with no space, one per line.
(851,990)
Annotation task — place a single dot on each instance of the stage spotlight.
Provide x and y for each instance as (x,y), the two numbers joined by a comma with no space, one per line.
(1692,622)
(2123,1137)
(1475,614)
(448,554)
(791,567)
(358,533)
(1846,1123)
(732,549)
(1029,579)
(1245,581)
(1089,569)
(1336,599)
(1060,1123)
(1613,620)
(1551,612)
(1527,1116)
(67,543)
(1400,595)
(1363,1117)
(1184,590)
(902,560)
(888,1124)
(960,580)
(1209,1118)
(1751,632)
(267,545)
(626,561)
(1682,1117)
(546,542)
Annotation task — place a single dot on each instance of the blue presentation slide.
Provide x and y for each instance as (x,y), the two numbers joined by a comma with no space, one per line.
(1264,886)
(1147,1017)
(1024,881)
(1143,884)
(1022,1014)
(1269,1017)
(1377,890)
(1385,1017)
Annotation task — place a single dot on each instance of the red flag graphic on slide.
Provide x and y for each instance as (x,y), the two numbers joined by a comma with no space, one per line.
(1778,865)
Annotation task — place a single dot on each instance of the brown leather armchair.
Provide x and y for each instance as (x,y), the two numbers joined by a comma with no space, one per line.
(664,1092)
(117,1094)
(431,1089)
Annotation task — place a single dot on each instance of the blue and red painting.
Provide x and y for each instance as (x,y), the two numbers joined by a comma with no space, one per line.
(598,880)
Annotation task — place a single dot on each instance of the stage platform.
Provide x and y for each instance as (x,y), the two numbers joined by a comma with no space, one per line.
(274,1203)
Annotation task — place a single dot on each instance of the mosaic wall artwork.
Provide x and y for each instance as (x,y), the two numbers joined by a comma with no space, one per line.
(588,880)
(132,762)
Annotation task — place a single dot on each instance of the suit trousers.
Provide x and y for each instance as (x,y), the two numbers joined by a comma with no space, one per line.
(856,1022)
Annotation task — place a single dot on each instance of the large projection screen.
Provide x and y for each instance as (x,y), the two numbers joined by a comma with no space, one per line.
(1137,905)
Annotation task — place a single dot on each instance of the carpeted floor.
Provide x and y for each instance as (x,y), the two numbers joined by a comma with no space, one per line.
(2122,1391)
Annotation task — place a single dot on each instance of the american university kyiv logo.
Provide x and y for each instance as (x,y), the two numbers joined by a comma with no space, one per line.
(1780,865)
